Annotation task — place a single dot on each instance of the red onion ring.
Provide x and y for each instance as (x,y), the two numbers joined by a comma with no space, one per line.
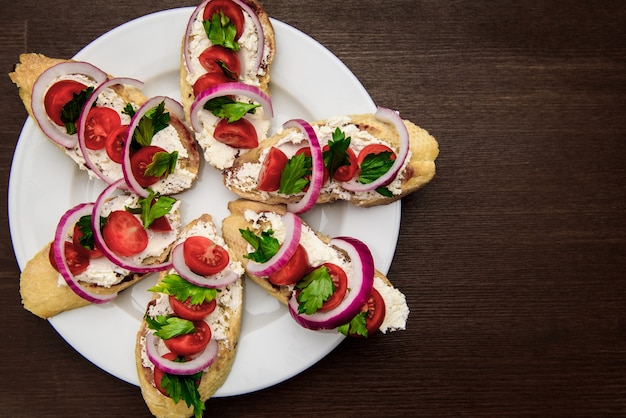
(293,232)
(40,88)
(317,175)
(120,261)
(221,279)
(171,105)
(82,121)
(195,365)
(229,89)
(389,116)
(360,285)
(67,222)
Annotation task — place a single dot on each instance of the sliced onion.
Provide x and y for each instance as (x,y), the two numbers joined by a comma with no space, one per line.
(82,121)
(193,366)
(317,174)
(229,89)
(40,88)
(221,279)
(293,232)
(123,262)
(389,116)
(360,285)
(172,106)
(67,222)
(255,20)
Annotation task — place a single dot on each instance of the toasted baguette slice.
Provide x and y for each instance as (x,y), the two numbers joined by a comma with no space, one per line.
(254,215)
(45,294)
(364,129)
(32,65)
(261,78)
(225,323)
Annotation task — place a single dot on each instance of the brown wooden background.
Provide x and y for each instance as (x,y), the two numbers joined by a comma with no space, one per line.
(513,259)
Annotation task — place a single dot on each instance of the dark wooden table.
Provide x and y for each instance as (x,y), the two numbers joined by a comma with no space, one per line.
(513,259)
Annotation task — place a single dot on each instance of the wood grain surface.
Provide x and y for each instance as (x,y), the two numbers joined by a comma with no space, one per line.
(513,259)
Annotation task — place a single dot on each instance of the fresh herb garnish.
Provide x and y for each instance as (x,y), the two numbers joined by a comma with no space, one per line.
(163,164)
(182,387)
(87,238)
(336,155)
(226,108)
(152,122)
(316,287)
(181,289)
(292,179)
(129,110)
(152,207)
(374,166)
(221,31)
(71,111)
(265,246)
(167,327)
(356,326)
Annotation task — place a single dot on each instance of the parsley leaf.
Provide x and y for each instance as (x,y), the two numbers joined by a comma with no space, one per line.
(162,164)
(129,110)
(167,327)
(71,111)
(356,326)
(181,289)
(226,108)
(150,124)
(316,287)
(292,179)
(182,387)
(374,166)
(265,246)
(221,31)
(152,207)
(336,155)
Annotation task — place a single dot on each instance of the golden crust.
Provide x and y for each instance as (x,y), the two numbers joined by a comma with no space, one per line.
(212,379)
(419,171)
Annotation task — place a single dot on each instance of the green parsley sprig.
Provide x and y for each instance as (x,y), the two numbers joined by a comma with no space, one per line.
(374,166)
(293,178)
(315,288)
(226,108)
(265,246)
(153,121)
(221,31)
(336,155)
(71,111)
(152,207)
(181,289)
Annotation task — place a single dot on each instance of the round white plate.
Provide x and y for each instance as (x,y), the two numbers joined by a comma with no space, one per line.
(308,82)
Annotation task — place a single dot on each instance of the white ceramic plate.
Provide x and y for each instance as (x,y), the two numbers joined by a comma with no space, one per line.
(307,82)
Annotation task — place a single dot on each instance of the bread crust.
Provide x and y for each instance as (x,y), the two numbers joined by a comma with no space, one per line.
(419,170)
(212,379)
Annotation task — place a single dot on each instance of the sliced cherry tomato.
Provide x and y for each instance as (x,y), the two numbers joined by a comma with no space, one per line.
(191,312)
(340,281)
(374,149)
(101,121)
(124,234)
(115,143)
(217,59)
(345,172)
(294,270)
(190,344)
(375,308)
(76,262)
(204,257)
(140,161)
(58,95)
(271,170)
(230,10)
(209,80)
(95,253)
(238,134)
(307,151)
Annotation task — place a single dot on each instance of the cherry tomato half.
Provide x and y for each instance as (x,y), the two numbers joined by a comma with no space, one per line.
(190,344)
(294,270)
(216,57)
(374,149)
(124,234)
(140,161)
(375,308)
(101,121)
(238,134)
(191,312)
(345,172)
(209,80)
(271,170)
(58,95)
(115,143)
(340,281)
(95,253)
(230,10)
(204,257)
(76,262)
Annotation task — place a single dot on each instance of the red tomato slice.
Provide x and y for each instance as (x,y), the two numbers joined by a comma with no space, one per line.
(307,151)
(340,281)
(101,121)
(190,344)
(115,143)
(209,80)
(271,170)
(204,257)
(76,262)
(375,308)
(140,161)
(230,10)
(215,57)
(95,253)
(124,234)
(374,149)
(191,312)
(345,172)
(238,134)
(58,95)
(294,270)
